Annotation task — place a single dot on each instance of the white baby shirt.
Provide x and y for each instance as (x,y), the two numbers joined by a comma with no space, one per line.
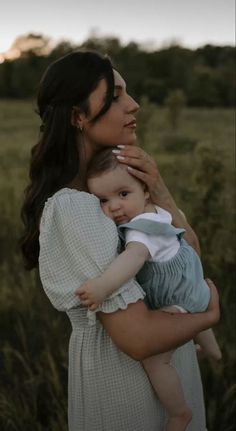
(161,248)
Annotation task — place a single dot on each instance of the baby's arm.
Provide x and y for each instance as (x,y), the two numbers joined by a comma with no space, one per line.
(122,269)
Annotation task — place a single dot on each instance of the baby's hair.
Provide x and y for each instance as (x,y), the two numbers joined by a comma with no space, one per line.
(102,162)
(105,161)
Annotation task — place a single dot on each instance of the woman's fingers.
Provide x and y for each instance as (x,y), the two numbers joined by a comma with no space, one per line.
(128,150)
(136,157)
(214,301)
(214,292)
(144,167)
(139,174)
(141,165)
(135,152)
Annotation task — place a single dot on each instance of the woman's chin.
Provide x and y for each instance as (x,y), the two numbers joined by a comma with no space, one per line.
(128,140)
(131,140)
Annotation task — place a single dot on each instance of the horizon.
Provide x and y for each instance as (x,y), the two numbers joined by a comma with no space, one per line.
(13,53)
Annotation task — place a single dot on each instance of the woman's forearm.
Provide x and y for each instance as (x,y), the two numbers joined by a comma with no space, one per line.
(162,197)
(141,333)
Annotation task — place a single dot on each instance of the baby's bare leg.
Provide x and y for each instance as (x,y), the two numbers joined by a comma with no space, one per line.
(207,341)
(167,385)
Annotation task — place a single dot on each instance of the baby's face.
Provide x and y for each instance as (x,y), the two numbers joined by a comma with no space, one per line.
(122,197)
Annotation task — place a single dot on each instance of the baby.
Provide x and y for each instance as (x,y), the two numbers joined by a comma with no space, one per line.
(168,269)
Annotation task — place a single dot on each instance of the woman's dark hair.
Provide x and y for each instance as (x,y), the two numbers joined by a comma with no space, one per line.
(67,83)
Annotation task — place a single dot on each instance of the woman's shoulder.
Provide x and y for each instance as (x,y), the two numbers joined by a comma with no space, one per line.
(68,203)
(67,197)
(66,194)
(70,207)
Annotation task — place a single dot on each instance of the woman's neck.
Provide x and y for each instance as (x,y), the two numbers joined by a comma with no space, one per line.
(86,152)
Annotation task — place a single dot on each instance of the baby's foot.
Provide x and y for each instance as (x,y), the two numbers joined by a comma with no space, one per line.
(180,422)
(214,354)
(217,355)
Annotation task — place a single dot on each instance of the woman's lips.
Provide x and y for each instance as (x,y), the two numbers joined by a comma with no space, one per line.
(131,124)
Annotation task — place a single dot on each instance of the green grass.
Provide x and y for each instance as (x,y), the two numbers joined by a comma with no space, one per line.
(34,337)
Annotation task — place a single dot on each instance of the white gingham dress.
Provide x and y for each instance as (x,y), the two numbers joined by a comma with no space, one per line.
(108,391)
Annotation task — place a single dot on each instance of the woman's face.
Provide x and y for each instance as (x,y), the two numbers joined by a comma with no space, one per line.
(117,126)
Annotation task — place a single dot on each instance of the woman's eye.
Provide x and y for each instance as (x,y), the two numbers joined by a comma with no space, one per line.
(115,97)
(124,194)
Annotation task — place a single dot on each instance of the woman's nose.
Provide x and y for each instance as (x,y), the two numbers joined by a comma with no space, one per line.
(132,105)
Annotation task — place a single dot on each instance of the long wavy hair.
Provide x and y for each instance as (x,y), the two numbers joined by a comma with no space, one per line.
(67,83)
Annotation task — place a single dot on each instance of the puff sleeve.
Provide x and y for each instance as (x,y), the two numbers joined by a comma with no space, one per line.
(78,242)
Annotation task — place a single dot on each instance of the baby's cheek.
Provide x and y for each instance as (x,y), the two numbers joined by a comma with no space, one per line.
(106,211)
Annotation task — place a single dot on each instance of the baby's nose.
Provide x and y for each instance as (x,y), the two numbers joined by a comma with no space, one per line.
(114,205)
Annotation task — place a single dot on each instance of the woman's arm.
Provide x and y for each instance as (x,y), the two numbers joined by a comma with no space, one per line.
(144,167)
(141,333)
(72,236)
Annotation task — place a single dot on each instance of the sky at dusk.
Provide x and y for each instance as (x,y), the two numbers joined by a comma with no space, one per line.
(191,23)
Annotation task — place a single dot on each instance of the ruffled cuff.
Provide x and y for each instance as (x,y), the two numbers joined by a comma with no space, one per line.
(129,293)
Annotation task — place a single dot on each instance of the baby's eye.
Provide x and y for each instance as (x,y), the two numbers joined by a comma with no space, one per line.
(124,194)
(103,201)
(115,97)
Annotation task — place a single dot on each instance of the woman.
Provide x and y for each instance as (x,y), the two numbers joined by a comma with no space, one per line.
(84,107)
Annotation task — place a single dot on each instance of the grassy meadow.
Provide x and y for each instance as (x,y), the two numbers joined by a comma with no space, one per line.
(197,162)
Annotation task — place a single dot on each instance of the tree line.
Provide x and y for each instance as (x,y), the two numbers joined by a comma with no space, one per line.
(205,76)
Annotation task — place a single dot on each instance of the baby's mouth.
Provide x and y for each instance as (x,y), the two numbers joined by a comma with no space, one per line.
(120,219)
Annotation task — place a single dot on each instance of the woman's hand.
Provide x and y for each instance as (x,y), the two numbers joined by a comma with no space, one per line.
(213,307)
(144,167)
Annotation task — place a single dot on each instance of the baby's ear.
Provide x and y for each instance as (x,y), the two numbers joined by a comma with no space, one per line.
(146,194)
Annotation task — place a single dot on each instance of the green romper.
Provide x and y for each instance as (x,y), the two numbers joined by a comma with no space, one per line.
(177,281)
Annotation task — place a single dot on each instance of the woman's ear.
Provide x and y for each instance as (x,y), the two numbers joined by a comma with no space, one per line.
(77,118)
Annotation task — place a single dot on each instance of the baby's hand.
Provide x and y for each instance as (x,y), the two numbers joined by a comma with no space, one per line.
(91,293)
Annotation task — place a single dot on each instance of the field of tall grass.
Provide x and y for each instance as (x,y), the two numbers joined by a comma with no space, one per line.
(197,161)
